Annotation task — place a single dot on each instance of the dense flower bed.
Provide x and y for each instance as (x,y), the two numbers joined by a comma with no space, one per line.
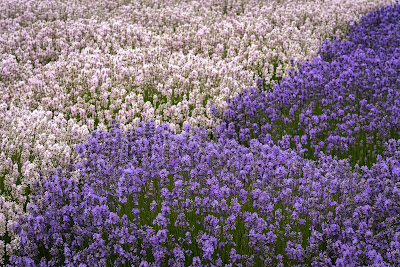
(70,67)
(345,102)
(153,197)
(303,173)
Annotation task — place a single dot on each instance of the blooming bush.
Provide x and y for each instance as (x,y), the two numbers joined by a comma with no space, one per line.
(150,197)
(306,173)
(30,141)
(162,60)
(344,103)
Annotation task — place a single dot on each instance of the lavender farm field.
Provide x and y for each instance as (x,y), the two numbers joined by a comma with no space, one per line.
(199,133)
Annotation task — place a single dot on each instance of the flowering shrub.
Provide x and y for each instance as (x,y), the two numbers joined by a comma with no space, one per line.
(152,197)
(30,140)
(68,68)
(345,103)
(163,191)
(259,193)
(162,60)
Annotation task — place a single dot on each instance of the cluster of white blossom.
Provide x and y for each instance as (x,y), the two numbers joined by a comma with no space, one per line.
(157,59)
(70,67)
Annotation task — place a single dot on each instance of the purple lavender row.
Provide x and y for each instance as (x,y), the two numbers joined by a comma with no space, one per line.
(153,198)
(345,103)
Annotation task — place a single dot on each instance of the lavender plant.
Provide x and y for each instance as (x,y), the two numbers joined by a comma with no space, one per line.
(153,198)
(344,103)
(279,184)
(69,67)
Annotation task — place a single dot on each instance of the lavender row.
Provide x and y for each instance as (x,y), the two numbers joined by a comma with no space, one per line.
(215,202)
(70,67)
(250,196)
(345,103)
(153,198)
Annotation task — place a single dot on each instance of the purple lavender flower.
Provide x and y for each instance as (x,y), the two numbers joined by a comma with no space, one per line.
(343,103)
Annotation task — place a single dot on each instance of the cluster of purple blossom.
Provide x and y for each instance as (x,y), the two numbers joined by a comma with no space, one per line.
(150,197)
(260,192)
(345,103)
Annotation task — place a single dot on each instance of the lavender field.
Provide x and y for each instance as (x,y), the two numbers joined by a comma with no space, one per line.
(199,133)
